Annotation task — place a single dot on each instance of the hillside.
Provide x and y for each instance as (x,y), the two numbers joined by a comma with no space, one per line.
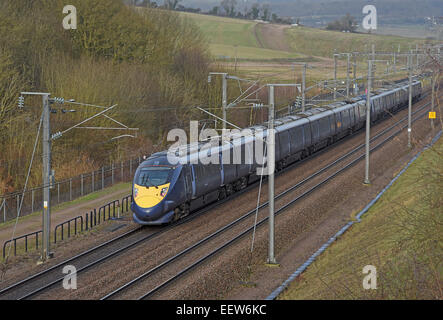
(138,61)
(318,42)
(230,37)
(320,12)
(249,40)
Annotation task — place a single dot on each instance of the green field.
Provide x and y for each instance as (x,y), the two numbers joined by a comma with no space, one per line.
(411,31)
(230,37)
(227,31)
(401,235)
(319,42)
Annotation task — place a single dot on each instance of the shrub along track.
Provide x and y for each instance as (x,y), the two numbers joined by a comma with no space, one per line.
(135,262)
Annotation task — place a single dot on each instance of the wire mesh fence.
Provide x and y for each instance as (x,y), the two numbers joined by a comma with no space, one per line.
(68,189)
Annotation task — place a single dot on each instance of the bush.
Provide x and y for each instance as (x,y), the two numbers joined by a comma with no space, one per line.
(141,59)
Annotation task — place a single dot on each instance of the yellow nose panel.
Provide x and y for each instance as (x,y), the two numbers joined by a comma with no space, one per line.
(149,197)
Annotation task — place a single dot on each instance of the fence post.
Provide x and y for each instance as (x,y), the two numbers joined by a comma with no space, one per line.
(58,192)
(138,160)
(70,189)
(103,178)
(81,184)
(18,203)
(112,173)
(92,181)
(121,165)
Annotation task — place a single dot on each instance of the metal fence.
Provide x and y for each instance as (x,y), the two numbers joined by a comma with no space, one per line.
(73,226)
(67,190)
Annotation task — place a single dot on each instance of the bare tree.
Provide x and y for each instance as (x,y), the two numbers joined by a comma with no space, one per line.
(172,4)
(255,11)
(229,7)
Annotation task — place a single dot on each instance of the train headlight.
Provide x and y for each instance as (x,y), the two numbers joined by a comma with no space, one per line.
(164,191)
(135,192)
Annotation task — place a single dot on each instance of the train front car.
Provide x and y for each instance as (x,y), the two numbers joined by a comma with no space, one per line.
(156,191)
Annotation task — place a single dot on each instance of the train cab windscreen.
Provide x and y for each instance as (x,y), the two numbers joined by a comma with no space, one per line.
(153,176)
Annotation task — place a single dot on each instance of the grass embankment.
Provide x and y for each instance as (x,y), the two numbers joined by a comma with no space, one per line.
(318,42)
(401,235)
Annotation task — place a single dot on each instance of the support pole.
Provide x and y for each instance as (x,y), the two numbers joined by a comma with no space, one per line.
(410,98)
(347,74)
(46,217)
(303,101)
(433,80)
(395,62)
(271,166)
(335,76)
(224,98)
(368,121)
(416,54)
(355,74)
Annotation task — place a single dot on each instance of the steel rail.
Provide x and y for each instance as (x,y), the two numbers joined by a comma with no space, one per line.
(261,222)
(120,250)
(190,217)
(82,254)
(246,215)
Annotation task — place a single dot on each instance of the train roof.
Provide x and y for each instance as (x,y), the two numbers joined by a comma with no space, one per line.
(289,125)
(202,149)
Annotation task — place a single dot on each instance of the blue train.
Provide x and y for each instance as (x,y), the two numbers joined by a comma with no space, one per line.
(165,190)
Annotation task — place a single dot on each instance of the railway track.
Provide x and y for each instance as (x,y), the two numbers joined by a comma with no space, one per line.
(143,280)
(31,286)
(48,278)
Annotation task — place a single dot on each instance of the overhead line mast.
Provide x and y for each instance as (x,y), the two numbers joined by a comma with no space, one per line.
(47,172)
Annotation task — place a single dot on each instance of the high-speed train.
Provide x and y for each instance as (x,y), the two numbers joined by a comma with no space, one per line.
(167,187)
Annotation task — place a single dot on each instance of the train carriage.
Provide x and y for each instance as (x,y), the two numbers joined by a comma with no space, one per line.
(169,185)
(294,139)
(345,120)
